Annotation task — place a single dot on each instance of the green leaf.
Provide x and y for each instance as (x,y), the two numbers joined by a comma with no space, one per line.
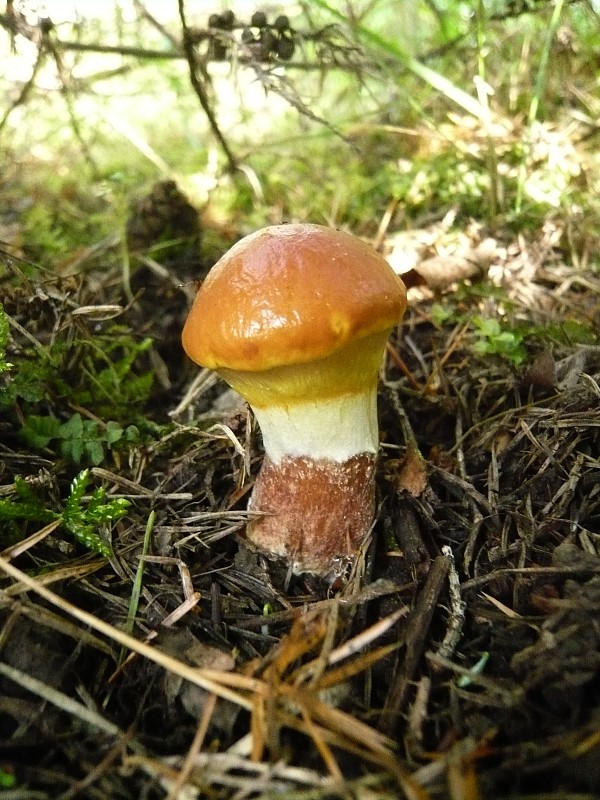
(82,521)
(72,449)
(82,437)
(94,451)
(40,431)
(73,429)
(495,341)
(23,510)
(487,327)
(83,517)
(23,506)
(113,432)
(79,485)
(7,779)
(440,314)
(132,433)
(79,438)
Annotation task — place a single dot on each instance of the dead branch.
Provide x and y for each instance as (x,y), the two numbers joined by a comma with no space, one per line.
(198,84)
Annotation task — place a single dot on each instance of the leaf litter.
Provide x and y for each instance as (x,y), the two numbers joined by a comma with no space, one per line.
(459,659)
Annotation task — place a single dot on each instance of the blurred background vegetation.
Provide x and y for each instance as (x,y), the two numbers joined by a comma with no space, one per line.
(385,111)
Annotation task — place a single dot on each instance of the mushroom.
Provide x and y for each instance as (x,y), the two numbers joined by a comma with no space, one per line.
(295,318)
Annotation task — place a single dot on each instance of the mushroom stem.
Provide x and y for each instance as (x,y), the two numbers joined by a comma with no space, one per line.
(334,429)
(319,425)
(317,482)
(317,511)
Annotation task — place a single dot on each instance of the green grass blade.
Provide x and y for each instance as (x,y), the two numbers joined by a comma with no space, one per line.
(434,79)
(538,91)
(136,590)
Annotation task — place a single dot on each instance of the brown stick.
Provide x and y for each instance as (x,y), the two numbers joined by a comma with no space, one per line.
(198,86)
(419,622)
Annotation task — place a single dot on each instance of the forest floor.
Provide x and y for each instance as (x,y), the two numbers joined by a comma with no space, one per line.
(147,652)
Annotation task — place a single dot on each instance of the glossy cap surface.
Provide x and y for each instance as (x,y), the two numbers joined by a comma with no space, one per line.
(290,294)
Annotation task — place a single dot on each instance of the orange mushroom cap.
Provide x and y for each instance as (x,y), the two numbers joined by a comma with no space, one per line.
(290,294)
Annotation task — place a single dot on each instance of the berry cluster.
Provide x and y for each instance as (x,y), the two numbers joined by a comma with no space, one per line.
(266,40)
(219,46)
(261,40)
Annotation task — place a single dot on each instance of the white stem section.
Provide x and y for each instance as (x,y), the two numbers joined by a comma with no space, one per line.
(336,428)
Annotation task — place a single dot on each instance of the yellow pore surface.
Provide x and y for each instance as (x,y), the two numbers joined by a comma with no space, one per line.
(351,370)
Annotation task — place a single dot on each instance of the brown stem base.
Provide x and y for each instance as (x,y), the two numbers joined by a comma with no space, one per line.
(317,512)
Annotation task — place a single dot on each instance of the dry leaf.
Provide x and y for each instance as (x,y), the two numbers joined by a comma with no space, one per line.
(412,472)
(542,372)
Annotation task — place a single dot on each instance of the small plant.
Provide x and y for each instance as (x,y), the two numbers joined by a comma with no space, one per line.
(569,332)
(79,439)
(4,336)
(8,779)
(31,376)
(108,382)
(493,340)
(80,517)
(491,337)
(82,521)
(102,374)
